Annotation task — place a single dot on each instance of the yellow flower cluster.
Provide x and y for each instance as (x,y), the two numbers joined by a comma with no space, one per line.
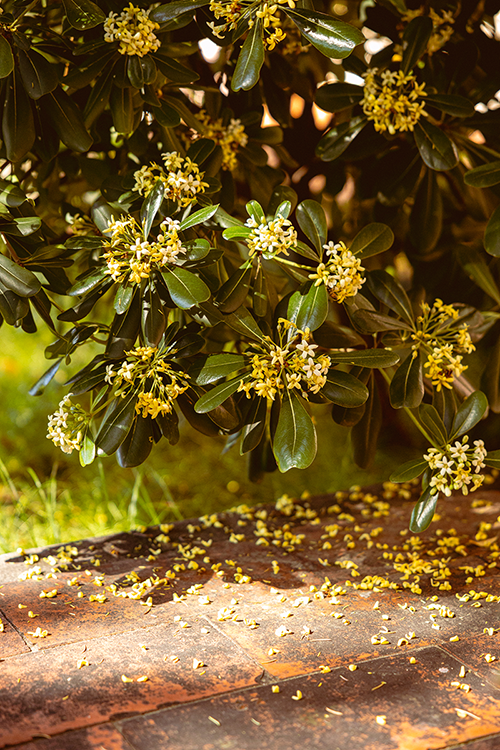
(133,29)
(444,343)
(292,363)
(442,26)
(131,255)
(181,178)
(268,239)
(231,11)
(456,466)
(147,373)
(67,424)
(393,101)
(341,274)
(81,225)
(229,137)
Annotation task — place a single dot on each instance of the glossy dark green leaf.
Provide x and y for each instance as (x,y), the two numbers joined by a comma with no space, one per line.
(312,220)
(138,444)
(217,366)
(335,336)
(387,290)
(153,318)
(255,425)
(116,423)
(67,120)
(236,233)
(88,450)
(484,176)
(198,217)
(344,389)
(83,14)
(434,425)
(233,292)
(39,387)
(423,512)
(475,266)
(280,194)
(407,385)
(174,70)
(334,97)
(364,434)
(90,280)
(6,58)
(22,227)
(98,97)
(469,413)
(11,194)
(337,139)
(255,211)
(166,115)
(165,13)
(308,307)
(151,205)
(39,76)
(415,38)
(18,279)
(409,470)
(250,60)
(18,128)
(294,443)
(124,329)
(121,105)
(196,249)
(332,37)
(493,459)
(492,234)
(102,213)
(186,289)
(372,239)
(260,294)
(141,71)
(13,308)
(368,321)
(371,358)
(426,219)
(243,322)
(169,426)
(436,149)
(456,106)
(217,395)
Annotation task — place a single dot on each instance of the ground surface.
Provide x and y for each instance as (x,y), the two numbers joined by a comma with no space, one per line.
(319,622)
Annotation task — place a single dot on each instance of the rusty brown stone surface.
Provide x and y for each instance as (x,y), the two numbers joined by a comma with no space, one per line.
(330,596)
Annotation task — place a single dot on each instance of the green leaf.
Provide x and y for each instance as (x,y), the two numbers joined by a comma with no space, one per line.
(332,37)
(153,319)
(88,450)
(334,97)
(11,194)
(434,425)
(242,321)
(456,106)
(407,385)
(67,120)
(364,434)
(250,60)
(217,366)
(368,321)
(236,233)
(233,292)
(138,444)
(98,97)
(312,220)
(371,358)
(196,249)
(294,444)
(490,380)
(469,413)
(88,281)
(18,127)
(22,227)
(174,70)
(426,219)
(6,58)
(165,13)
(409,470)
(123,298)
(492,234)
(141,71)
(116,423)
(387,290)
(335,336)
(217,395)
(83,14)
(151,205)
(166,115)
(102,213)
(122,109)
(344,389)
(372,239)
(475,266)
(186,289)
(415,38)
(436,149)
(204,214)
(260,294)
(493,459)
(255,426)
(39,387)
(39,76)
(423,512)
(13,308)
(18,279)
(254,210)
(308,307)
(484,176)
(337,139)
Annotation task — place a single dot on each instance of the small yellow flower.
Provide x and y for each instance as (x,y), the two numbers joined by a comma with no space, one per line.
(134,30)
(393,101)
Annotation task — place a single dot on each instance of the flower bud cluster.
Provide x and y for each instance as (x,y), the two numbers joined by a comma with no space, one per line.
(134,30)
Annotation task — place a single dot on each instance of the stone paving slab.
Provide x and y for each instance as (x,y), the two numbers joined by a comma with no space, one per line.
(174,636)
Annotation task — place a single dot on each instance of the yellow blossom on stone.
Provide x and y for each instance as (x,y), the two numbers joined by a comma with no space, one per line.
(393,101)
(133,29)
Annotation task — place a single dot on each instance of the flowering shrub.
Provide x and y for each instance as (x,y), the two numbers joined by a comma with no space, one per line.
(254,209)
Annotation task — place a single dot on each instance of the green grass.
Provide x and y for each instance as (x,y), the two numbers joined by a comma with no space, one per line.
(46,497)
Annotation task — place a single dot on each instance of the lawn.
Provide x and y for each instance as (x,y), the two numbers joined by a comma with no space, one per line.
(46,497)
